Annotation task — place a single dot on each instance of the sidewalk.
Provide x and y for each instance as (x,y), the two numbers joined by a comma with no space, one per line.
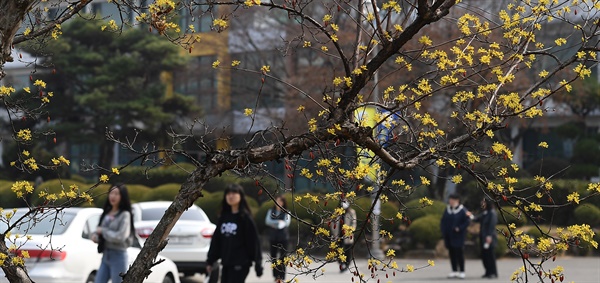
(577,269)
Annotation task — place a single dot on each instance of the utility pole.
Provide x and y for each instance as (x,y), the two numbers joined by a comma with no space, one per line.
(375,249)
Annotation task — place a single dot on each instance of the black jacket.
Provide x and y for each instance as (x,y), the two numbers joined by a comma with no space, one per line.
(235,241)
(488,220)
(454,218)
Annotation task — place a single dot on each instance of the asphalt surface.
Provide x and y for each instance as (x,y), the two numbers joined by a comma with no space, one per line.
(576,269)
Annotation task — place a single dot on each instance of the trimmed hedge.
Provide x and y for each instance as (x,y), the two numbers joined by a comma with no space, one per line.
(9,198)
(587,214)
(511,217)
(137,193)
(155,176)
(211,204)
(415,210)
(304,210)
(536,233)
(501,247)
(525,188)
(250,188)
(56,186)
(426,230)
(163,192)
(387,216)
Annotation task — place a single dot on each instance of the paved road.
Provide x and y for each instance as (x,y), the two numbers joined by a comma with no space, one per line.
(577,269)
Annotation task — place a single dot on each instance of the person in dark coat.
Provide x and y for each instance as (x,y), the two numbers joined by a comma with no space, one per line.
(488,238)
(454,229)
(278,222)
(235,241)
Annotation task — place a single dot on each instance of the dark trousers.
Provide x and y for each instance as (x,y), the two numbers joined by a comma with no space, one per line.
(277,253)
(457,259)
(488,257)
(234,273)
(348,253)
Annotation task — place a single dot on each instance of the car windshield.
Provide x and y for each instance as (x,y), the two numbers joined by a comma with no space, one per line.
(149,214)
(55,223)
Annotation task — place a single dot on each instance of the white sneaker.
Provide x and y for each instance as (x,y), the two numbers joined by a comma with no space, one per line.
(461,275)
(453,275)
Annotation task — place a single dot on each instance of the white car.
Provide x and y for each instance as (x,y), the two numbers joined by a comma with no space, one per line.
(189,239)
(68,255)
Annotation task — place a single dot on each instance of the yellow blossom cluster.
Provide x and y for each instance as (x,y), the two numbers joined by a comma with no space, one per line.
(24,135)
(112,25)
(298,259)
(59,160)
(160,13)
(250,3)
(6,90)
(21,188)
(56,31)
(467,21)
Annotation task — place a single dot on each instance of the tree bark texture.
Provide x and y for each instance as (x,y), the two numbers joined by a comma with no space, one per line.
(12,13)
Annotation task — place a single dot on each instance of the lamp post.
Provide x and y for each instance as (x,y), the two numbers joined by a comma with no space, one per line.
(375,249)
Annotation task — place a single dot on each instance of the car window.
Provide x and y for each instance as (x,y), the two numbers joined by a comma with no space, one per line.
(55,223)
(150,214)
(90,226)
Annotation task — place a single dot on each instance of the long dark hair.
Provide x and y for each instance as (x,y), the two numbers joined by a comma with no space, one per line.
(124,204)
(284,202)
(235,188)
(489,205)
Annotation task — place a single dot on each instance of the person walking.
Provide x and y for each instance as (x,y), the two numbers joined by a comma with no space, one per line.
(235,241)
(114,235)
(338,232)
(278,222)
(488,237)
(454,225)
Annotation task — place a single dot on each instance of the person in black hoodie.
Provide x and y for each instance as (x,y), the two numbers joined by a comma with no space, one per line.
(278,221)
(235,241)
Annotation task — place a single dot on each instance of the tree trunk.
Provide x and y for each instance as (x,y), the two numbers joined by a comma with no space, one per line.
(14,273)
(12,13)
(190,191)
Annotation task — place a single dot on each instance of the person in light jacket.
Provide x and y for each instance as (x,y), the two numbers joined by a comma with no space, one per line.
(278,222)
(338,233)
(454,225)
(235,241)
(488,238)
(116,230)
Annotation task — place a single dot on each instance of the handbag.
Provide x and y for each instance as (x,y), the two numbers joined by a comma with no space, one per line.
(100,243)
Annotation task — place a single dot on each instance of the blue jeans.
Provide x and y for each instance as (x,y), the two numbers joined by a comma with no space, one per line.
(114,262)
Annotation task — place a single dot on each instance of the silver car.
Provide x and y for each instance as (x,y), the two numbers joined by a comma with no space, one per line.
(189,239)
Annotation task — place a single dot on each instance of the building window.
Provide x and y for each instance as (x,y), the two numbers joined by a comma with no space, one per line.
(198,16)
(111,11)
(247,87)
(198,79)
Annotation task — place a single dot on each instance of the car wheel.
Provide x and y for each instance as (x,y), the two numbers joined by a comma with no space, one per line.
(214,274)
(168,279)
(91,278)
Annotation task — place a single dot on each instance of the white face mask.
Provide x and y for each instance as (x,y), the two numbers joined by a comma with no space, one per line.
(345,205)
